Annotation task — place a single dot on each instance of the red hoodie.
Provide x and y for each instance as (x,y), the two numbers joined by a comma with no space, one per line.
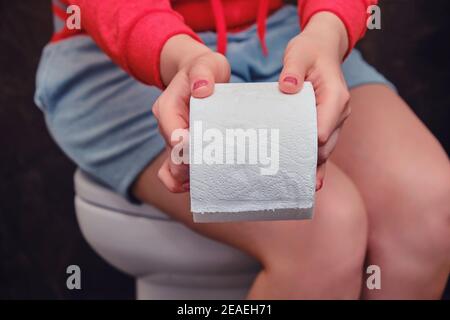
(133,32)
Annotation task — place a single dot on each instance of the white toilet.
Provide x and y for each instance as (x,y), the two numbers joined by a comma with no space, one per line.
(168,260)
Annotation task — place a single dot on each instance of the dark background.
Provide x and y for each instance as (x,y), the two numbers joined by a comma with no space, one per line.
(39,236)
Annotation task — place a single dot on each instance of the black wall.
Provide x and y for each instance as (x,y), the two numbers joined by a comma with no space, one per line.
(39,236)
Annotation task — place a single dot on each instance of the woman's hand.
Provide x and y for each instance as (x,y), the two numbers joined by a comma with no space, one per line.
(316,55)
(189,69)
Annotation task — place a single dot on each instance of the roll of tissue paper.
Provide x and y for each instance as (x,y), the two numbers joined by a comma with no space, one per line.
(253,153)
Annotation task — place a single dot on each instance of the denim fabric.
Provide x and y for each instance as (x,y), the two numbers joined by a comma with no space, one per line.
(101,117)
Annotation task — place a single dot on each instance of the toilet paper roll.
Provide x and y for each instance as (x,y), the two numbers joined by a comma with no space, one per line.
(253,153)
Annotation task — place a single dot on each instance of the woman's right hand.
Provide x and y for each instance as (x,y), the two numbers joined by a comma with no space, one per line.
(195,74)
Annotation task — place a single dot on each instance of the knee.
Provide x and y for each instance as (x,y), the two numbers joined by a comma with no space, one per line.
(350,222)
(346,217)
(433,220)
(416,218)
(328,260)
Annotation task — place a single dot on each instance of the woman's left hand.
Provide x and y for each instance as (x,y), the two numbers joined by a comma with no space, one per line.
(316,55)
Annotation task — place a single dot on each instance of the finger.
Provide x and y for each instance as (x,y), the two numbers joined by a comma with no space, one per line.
(332,110)
(155,109)
(180,172)
(179,156)
(204,73)
(167,179)
(172,111)
(326,150)
(295,69)
(320,176)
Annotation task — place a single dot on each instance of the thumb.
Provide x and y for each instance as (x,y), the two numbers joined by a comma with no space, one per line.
(201,78)
(293,74)
(205,72)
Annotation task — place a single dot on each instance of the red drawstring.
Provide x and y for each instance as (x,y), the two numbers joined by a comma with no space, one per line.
(221,24)
(263,8)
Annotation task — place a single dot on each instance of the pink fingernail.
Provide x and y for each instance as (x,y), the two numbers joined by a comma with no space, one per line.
(290,79)
(199,84)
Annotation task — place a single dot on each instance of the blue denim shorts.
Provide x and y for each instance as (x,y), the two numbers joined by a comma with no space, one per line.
(102,119)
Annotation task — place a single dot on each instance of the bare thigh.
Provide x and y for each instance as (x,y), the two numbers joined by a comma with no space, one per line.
(392,158)
(337,204)
(403,175)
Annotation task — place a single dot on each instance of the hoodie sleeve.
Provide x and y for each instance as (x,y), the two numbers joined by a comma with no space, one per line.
(353,14)
(133,33)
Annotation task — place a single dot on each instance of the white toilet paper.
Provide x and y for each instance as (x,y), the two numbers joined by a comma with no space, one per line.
(253,153)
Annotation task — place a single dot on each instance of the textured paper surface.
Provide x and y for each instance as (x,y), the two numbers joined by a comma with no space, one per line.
(239,191)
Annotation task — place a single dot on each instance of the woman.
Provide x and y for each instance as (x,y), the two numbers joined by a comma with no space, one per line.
(384,199)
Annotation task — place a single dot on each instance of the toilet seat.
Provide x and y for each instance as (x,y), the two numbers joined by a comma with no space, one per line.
(93,192)
(168,260)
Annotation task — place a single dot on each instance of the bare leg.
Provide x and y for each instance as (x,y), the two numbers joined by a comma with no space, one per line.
(322,258)
(403,175)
